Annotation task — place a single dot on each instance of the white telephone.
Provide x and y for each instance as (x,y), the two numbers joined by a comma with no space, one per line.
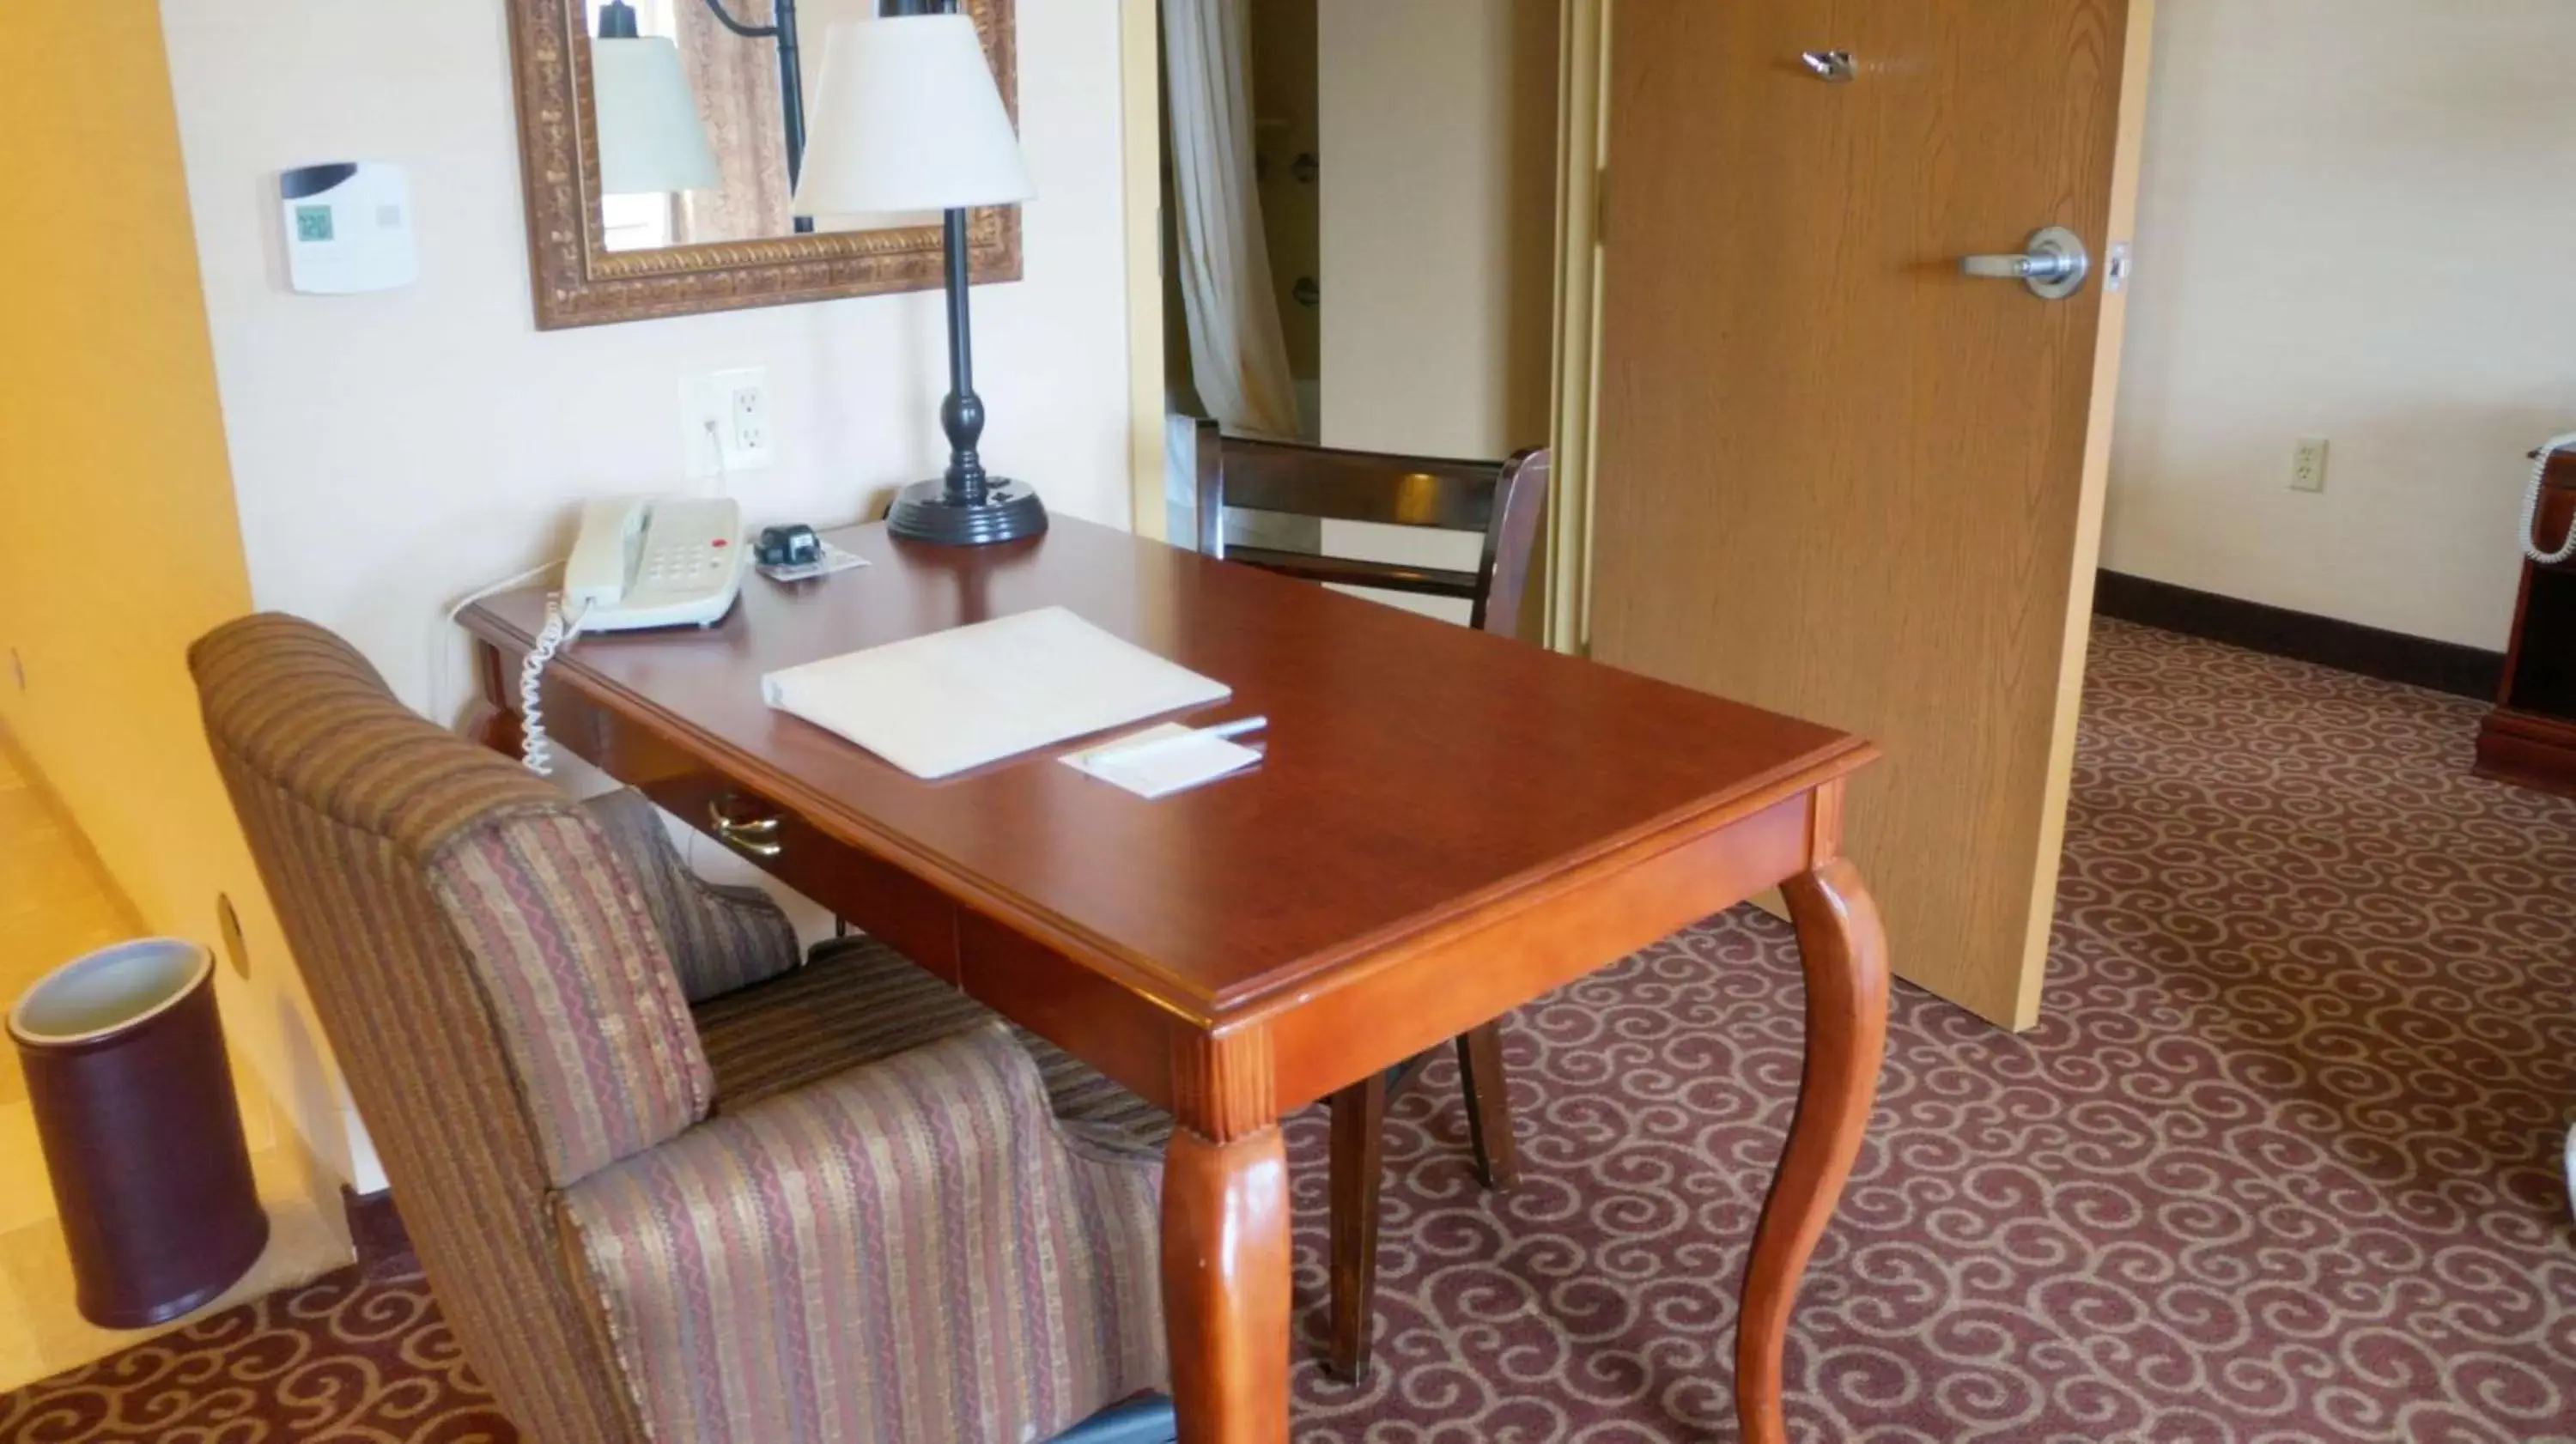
(2531,505)
(654,564)
(637,563)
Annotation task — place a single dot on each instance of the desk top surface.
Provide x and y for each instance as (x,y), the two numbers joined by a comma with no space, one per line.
(1416,770)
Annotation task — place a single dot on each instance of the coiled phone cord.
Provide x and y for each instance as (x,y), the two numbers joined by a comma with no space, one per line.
(536,749)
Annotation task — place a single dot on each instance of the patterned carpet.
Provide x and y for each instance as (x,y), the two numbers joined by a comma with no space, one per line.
(345,1359)
(2280,1165)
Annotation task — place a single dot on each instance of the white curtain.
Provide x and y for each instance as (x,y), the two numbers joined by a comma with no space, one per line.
(736,81)
(1237,355)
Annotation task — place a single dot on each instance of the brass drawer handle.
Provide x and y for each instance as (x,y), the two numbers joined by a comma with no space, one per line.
(752,837)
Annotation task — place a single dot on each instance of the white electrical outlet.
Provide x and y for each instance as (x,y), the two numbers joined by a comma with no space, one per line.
(2308,464)
(724,422)
(750,423)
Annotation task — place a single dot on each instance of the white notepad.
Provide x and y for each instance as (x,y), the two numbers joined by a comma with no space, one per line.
(940,704)
(1162,760)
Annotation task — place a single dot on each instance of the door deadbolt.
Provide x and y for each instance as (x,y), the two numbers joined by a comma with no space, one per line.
(1834,67)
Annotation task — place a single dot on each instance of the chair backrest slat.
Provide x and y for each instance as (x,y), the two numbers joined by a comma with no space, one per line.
(1500,499)
(1384,576)
(1359,486)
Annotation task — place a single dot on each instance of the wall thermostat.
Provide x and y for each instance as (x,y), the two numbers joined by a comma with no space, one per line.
(348,228)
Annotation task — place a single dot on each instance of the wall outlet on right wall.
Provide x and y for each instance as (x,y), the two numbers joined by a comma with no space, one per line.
(2308,464)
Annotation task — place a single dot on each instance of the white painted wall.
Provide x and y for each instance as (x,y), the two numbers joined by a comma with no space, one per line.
(1431,252)
(392,452)
(2355,222)
(1437,121)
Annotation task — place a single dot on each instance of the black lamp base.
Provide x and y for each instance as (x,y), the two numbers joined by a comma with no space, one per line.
(925,512)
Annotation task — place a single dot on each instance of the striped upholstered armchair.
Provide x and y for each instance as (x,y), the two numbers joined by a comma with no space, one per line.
(669,1180)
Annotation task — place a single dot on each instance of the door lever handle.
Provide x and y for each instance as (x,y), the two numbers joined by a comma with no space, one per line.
(2053,264)
(2010,268)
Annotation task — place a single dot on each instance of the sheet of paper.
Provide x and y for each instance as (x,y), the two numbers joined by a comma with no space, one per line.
(1162,760)
(939,704)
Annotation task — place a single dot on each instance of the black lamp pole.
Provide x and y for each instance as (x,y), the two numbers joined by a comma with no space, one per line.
(965,505)
(961,415)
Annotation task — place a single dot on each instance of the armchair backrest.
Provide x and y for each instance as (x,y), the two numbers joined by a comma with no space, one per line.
(495,990)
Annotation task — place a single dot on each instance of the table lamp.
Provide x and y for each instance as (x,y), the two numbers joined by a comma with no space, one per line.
(907,118)
(650,137)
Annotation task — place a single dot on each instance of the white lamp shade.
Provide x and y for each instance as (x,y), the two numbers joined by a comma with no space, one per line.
(907,118)
(650,137)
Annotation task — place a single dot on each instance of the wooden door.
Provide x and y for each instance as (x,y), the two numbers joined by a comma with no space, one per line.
(1836,476)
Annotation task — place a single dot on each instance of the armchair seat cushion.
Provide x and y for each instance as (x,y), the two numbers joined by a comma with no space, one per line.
(858,1001)
(903,1253)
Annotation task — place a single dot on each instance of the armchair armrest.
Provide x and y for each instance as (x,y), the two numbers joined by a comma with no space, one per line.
(722,938)
(908,1250)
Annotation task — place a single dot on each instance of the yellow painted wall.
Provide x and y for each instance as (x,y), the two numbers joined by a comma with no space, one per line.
(118,539)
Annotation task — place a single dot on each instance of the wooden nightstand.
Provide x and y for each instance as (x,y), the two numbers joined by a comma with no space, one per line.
(2530,737)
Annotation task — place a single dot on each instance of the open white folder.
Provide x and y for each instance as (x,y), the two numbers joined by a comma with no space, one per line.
(940,704)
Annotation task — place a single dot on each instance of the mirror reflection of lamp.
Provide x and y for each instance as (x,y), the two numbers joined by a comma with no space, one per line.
(650,136)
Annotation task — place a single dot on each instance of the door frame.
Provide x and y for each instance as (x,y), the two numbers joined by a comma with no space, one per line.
(1582,169)
(1140,120)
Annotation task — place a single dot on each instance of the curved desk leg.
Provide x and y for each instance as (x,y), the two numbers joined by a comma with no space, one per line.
(1845,957)
(1225,1285)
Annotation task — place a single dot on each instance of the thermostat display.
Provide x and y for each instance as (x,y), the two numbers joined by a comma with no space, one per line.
(348,228)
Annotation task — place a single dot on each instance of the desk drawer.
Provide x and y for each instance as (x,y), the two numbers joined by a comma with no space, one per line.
(912,916)
(2557,511)
(917,919)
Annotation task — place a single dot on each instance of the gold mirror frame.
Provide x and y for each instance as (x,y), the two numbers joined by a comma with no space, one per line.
(580,282)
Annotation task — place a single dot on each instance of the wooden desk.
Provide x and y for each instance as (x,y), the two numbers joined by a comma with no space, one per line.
(2530,738)
(1448,825)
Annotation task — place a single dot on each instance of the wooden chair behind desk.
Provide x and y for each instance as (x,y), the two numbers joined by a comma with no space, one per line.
(1502,500)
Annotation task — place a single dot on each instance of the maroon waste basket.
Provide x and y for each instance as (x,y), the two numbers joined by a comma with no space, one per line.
(133,1102)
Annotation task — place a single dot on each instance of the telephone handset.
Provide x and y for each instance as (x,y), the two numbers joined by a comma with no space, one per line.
(2531,505)
(637,563)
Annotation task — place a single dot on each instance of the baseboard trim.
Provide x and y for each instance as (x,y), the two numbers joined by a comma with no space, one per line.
(2280,632)
(376,1230)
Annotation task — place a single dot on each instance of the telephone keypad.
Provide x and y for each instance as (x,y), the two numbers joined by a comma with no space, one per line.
(680,566)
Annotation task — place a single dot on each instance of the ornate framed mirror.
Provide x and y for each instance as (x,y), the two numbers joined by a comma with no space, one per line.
(702,161)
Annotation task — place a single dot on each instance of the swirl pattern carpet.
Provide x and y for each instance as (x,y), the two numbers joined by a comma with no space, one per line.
(349,1359)
(2280,1164)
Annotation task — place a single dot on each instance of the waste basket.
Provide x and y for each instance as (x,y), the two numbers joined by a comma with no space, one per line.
(134,1106)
